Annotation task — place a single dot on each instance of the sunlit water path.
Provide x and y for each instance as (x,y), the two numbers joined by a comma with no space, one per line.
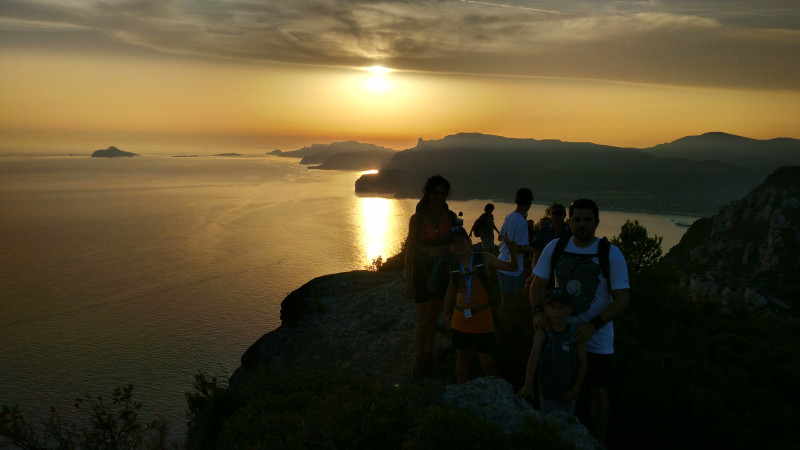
(146,270)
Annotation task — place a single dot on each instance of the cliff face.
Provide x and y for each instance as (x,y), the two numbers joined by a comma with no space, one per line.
(748,255)
(359,322)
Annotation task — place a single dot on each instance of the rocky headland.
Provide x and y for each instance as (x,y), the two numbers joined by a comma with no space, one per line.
(359,322)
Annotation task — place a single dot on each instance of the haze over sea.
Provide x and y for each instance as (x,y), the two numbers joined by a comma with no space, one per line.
(149,269)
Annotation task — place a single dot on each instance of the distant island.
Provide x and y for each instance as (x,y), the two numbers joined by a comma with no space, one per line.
(228,154)
(111,152)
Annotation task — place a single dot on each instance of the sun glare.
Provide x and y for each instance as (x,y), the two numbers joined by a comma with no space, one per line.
(378,70)
(375,216)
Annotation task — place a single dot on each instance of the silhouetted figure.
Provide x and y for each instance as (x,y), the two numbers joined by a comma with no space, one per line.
(594,274)
(426,267)
(484,228)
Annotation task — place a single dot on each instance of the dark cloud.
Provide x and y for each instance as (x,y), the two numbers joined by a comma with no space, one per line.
(708,43)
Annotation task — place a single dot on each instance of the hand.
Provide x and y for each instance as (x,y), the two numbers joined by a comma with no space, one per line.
(583,332)
(540,321)
(511,245)
(568,396)
(526,391)
(447,316)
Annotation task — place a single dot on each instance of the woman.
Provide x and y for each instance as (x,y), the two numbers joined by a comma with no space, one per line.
(426,267)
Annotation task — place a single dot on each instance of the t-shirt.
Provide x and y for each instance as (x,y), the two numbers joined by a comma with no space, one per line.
(516,227)
(601,342)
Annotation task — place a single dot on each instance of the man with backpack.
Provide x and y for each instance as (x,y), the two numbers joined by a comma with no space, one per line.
(594,274)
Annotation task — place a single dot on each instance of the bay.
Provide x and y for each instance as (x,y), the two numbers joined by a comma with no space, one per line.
(147,270)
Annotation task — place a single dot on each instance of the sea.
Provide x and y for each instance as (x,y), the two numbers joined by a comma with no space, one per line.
(148,270)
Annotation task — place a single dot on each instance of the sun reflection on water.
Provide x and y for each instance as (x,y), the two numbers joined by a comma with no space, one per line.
(375,225)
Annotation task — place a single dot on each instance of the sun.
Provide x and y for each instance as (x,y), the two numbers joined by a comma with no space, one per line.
(378,83)
(378,70)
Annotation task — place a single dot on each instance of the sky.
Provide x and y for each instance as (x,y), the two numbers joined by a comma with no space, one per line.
(268,74)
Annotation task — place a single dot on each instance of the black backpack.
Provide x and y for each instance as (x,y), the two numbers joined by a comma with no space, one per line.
(582,299)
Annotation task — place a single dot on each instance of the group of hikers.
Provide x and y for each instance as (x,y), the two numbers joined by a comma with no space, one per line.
(576,285)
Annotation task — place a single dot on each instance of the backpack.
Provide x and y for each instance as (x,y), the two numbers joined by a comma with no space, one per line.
(477,266)
(476,227)
(578,274)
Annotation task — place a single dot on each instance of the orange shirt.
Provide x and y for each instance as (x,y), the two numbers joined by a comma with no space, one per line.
(481,321)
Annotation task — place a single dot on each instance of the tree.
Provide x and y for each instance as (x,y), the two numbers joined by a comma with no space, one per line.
(640,250)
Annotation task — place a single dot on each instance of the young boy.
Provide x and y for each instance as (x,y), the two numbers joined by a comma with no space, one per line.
(562,361)
(467,312)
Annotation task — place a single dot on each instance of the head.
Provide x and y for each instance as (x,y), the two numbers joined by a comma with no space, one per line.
(557,305)
(458,241)
(558,213)
(488,208)
(436,190)
(523,199)
(583,220)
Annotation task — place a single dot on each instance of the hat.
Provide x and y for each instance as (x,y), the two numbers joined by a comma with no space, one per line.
(557,294)
(456,231)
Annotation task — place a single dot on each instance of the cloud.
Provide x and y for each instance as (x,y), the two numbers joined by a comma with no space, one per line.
(707,43)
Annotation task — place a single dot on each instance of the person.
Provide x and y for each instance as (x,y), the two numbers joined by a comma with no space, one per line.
(484,228)
(597,299)
(561,360)
(515,226)
(467,310)
(557,228)
(426,274)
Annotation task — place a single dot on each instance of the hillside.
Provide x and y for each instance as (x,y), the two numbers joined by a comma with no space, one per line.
(762,155)
(349,155)
(482,166)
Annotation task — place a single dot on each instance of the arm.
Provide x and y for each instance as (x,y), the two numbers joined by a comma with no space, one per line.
(537,303)
(535,258)
(620,302)
(449,303)
(579,377)
(411,248)
(533,361)
(511,265)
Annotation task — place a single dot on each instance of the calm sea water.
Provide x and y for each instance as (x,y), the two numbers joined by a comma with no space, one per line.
(147,270)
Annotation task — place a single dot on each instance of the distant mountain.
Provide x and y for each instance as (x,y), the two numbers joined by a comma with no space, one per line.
(349,155)
(111,152)
(494,167)
(746,256)
(762,155)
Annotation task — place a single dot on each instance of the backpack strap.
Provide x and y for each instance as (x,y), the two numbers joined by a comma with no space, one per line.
(561,244)
(478,267)
(603,250)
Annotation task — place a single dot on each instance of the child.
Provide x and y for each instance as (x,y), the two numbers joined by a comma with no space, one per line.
(562,361)
(467,313)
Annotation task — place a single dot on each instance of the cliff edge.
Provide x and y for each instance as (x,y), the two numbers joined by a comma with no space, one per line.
(359,322)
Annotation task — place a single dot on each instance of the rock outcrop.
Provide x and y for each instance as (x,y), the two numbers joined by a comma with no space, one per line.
(747,256)
(111,152)
(359,321)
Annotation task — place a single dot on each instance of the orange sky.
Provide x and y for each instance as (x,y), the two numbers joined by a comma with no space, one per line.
(95,74)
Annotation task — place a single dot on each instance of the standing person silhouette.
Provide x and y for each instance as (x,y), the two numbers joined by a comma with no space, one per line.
(427,275)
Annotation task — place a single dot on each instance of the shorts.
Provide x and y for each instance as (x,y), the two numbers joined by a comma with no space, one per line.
(600,370)
(482,342)
(510,284)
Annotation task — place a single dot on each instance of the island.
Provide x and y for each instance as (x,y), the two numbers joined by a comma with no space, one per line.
(111,152)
